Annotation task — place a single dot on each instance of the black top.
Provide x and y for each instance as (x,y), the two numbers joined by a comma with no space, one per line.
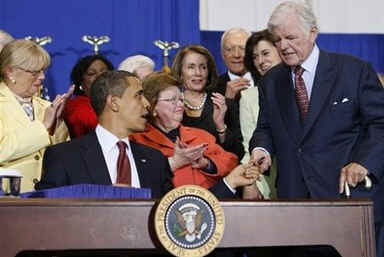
(233,138)
(171,135)
(174,134)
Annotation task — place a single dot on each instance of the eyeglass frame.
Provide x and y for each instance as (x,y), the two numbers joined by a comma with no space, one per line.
(33,73)
(232,49)
(174,100)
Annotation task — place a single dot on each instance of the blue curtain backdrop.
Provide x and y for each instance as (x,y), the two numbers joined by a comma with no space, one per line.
(132,26)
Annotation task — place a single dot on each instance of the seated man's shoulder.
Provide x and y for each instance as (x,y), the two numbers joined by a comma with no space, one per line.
(147,150)
(72,144)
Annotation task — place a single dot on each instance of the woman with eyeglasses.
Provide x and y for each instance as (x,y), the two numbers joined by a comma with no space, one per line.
(193,154)
(28,123)
(79,114)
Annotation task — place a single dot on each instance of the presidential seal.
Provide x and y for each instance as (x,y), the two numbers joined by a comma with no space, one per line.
(189,221)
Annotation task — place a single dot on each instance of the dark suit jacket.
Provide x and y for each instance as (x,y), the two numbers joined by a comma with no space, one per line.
(345,123)
(221,83)
(232,115)
(234,139)
(81,161)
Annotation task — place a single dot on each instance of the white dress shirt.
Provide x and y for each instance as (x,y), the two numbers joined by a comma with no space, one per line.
(246,76)
(108,143)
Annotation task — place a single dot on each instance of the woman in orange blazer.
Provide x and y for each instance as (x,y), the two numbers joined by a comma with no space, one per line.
(193,154)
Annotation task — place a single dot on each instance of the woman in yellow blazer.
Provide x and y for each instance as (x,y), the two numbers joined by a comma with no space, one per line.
(28,124)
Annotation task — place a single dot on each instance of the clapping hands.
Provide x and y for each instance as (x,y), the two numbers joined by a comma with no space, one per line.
(184,155)
(53,114)
(235,86)
(219,110)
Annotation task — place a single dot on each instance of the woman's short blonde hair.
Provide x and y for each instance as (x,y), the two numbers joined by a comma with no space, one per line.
(23,54)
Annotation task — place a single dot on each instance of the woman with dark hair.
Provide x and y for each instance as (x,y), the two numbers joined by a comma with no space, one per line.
(195,68)
(260,56)
(78,114)
(256,62)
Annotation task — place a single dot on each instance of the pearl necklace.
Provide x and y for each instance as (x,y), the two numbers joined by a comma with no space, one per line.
(195,108)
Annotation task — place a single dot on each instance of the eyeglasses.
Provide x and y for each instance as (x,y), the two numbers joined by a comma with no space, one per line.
(33,73)
(174,100)
(233,49)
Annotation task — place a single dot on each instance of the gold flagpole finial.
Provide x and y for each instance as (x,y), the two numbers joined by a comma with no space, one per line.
(166,47)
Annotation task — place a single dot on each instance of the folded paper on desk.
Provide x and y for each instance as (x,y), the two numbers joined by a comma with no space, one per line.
(91,191)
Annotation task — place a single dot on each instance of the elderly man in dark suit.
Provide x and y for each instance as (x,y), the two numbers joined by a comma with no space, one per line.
(235,79)
(322,115)
(106,156)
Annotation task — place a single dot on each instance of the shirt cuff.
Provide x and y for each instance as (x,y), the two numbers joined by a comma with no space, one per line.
(230,188)
(260,148)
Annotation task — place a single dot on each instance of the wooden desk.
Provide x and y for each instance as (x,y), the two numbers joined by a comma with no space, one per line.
(47,224)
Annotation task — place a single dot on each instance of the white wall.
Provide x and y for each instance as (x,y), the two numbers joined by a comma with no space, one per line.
(335,16)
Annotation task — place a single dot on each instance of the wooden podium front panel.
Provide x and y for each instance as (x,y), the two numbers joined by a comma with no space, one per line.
(347,226)
(47,224)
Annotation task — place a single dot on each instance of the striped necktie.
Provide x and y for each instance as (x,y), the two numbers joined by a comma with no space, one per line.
(301,93)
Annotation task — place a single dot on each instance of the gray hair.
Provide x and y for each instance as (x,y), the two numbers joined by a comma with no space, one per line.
(302,10)
(5,38)
(232,31)
(132,63)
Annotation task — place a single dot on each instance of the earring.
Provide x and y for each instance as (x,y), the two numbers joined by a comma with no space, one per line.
(12,80)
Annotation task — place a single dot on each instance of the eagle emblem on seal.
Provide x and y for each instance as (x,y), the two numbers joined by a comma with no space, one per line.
(189,222)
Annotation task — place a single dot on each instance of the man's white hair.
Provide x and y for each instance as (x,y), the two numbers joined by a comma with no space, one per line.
(132,63)
(300,9)
(232,31)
